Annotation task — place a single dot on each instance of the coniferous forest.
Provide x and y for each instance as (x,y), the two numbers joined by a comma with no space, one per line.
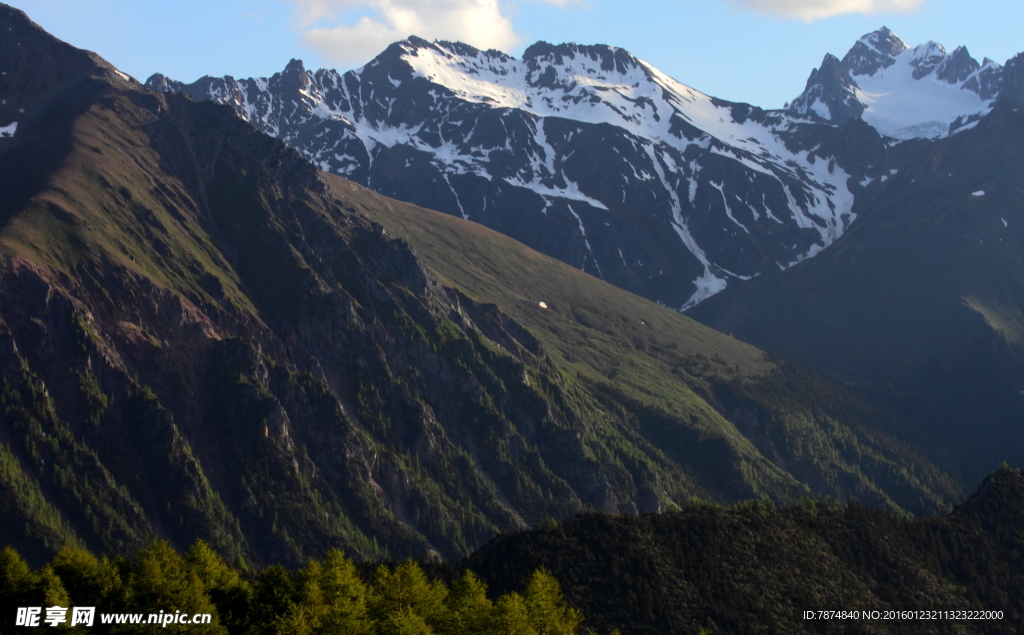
(749,568)
(327,596)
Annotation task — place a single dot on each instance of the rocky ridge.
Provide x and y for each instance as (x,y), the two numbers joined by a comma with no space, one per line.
(585,153)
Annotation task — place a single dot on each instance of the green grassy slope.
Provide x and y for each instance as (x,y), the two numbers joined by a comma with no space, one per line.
(676,378)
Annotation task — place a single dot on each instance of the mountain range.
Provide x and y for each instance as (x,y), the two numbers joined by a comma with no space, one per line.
(212,332)
(921,301)
(206,337)
(906,93)
(598,159)
(584,153)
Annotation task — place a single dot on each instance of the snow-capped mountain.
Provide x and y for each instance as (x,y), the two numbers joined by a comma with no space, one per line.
(583,152)
(902,92)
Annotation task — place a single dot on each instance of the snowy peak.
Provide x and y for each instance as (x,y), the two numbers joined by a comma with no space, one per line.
(884,42)
(583,152)
(957,67)
(296,82)
(874,51)
(902,92)
(549,80)
(925,58)
(567,66)
(609,59)
(162,84)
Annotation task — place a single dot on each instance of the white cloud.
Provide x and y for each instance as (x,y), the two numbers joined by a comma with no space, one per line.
(480,23)
(810,10)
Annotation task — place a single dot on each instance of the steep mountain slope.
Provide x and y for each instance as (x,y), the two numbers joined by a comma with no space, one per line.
(202,337)
(922,299)
(584,153)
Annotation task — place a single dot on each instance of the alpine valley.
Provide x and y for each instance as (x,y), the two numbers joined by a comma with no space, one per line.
(241,324)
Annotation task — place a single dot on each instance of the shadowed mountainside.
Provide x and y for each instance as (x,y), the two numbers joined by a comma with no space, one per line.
(920,302)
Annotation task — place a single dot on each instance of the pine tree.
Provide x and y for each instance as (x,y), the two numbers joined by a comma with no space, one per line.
(272,599)
(344,594)
(227,590)
(17,581)
(469,609)
(547,610)
(160,581)
(407,590)
(512,616)
(88,580)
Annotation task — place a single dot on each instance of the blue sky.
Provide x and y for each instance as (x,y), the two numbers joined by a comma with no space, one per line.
(757,51)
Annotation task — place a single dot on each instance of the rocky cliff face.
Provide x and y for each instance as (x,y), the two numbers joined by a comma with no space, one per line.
(1014,79)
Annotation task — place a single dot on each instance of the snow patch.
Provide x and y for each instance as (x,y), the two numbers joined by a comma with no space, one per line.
(728,211)
(707,285)
(583,232)
(9,129)
(571,191)
(968,126)
(822,110)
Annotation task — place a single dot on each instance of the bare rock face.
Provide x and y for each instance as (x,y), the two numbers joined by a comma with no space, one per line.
(830,94)
(957,67)
(1013,78)
(873,52)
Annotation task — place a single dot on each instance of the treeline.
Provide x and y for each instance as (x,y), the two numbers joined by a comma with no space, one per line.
(326,596)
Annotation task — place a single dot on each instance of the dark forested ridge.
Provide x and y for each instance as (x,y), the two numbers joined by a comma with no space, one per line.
(756,568)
